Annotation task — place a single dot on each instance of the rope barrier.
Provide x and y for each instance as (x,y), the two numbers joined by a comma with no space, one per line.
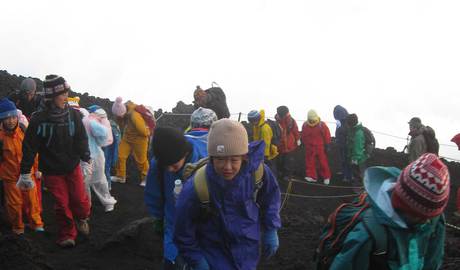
(321,197)
(322,185)
(286,197)
(452,226)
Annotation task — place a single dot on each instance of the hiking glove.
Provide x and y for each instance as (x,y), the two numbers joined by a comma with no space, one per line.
(354,162)
(158,226)
(86,167)
(270,243)
(201,265)
(25,182)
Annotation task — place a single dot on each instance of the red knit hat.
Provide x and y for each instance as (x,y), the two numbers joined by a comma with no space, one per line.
(422,189)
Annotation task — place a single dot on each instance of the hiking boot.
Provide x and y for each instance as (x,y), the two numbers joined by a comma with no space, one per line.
(309,179)
(326,181)
(457,214)
(83,226)
(109,208)
(118,179)
(67,243)
(110,205)
(18,231)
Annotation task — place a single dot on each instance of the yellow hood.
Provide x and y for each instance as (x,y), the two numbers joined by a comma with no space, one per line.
(313,118)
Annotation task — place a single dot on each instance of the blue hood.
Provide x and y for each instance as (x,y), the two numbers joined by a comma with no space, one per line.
(340,113)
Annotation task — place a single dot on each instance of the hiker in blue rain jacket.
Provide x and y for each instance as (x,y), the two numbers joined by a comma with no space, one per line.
(340,114)
(240,219)
(200,122)
(409,206)
(171,150)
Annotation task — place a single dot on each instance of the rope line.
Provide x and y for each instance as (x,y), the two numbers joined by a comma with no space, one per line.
(321,185)
(286,197)
(320,197)
(453,226)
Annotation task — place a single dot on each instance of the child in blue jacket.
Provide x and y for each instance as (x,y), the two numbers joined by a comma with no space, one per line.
(243,216)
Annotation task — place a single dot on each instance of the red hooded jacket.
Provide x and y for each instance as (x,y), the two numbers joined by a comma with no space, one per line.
(289,134)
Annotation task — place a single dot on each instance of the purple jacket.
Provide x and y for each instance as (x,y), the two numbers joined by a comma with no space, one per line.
(229,240)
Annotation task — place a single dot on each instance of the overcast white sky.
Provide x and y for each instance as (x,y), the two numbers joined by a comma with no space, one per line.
(384,60)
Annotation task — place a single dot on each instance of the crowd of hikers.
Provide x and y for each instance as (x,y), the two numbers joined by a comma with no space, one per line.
(213,191)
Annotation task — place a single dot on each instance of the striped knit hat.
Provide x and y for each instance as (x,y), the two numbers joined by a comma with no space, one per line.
(54,86)
(422,189)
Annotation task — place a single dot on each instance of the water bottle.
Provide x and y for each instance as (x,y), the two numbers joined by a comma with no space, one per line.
(177,188)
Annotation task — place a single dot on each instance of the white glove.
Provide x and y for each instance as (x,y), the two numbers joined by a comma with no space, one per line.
(38,174)
(25,182)
(86,167)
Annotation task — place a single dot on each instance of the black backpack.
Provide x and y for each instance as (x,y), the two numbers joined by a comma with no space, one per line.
(276,130)
(432,144)
(369,141)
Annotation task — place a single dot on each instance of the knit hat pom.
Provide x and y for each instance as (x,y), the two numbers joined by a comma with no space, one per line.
(118,108)
(422,189)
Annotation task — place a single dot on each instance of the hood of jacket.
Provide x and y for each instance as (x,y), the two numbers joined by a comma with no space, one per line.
(262,118)
(130,106)
(379,183)
(340,113)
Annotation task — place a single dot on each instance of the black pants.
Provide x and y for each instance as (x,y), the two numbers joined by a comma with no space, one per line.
(285,164)
(357,173)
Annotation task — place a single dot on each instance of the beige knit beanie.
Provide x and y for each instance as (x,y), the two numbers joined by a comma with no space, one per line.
(227,138)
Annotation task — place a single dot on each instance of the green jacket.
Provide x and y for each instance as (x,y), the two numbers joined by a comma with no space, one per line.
(418,247)
(356,144)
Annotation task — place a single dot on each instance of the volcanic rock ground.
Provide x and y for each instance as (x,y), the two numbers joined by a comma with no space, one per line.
(124,239)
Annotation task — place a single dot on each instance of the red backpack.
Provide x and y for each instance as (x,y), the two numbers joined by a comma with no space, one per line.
(148,117)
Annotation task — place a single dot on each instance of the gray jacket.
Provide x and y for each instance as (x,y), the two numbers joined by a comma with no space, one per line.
(417,145)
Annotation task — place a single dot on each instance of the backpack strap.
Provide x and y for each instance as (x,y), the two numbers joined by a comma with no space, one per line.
(191,168)
(259,174)
(379,235)
(201,185)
